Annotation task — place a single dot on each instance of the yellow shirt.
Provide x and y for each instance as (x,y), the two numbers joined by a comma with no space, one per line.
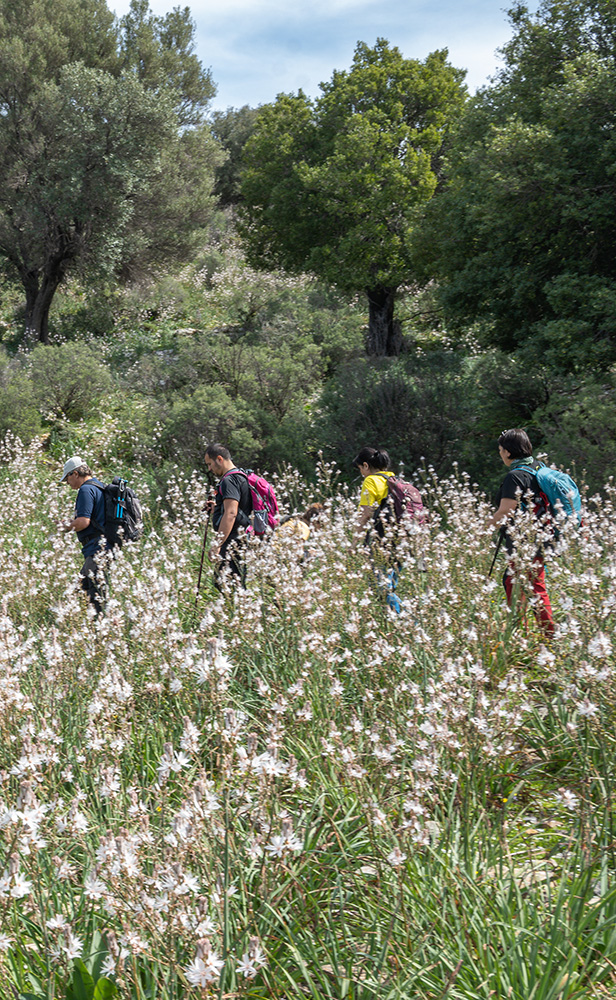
(291,535)
(293,528)
(374,490)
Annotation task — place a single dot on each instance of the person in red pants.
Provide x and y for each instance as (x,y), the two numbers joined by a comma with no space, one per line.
(520,489)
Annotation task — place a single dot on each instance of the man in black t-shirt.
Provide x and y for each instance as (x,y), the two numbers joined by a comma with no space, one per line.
(520,488)
(231,512)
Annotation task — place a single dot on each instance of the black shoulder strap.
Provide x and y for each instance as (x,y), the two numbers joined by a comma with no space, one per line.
(288,517)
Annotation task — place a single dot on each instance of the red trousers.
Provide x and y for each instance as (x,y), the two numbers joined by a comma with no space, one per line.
(543,608)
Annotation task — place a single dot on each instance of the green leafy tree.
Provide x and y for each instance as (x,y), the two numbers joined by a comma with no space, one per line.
(335,186)
(105,164)
(522,240)
(544,43)
(233,129)
(159,51)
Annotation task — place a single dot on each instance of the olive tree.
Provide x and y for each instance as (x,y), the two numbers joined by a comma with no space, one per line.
(334,186)
(105,163)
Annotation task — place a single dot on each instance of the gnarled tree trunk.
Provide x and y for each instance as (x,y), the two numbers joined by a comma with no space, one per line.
(384,333)
(39,296)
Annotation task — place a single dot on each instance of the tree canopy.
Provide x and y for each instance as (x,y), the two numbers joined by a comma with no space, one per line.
(232,128)
(523,238)
(105,163)
(335,186)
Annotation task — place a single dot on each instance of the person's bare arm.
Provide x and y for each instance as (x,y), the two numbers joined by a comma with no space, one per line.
(77,524)
(364,515)
(230,510)
(505,508)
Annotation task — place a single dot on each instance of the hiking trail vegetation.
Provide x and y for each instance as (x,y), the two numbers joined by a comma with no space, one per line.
(290,790)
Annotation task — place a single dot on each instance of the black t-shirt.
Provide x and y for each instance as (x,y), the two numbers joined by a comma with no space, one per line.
(233,486)
(517,485)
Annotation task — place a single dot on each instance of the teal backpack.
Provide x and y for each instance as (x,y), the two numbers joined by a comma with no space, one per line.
(558,488)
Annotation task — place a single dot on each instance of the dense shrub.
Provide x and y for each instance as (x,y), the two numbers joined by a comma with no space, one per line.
(580,426)
(68,380)
(444,406)
(18,406)
(260,393)
(83,312)
(277,364)
(208,415)
(416,406)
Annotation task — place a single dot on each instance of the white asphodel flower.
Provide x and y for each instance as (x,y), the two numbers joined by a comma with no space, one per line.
(204,971)
(94,888)
(73,946)
(5,942)
(600,646)
(396,857)
(567,798)
(252,960)
(21,887)
(586,707)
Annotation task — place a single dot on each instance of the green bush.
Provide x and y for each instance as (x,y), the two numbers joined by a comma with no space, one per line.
(416,407)
(209,415)
(501,391)
(445,406)
(18,408)
(580,428)
(291,440)
(261,392)
(82,313)
(69,380)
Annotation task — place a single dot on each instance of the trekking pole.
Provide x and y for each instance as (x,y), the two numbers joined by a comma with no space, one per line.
(500,542)
(207,525)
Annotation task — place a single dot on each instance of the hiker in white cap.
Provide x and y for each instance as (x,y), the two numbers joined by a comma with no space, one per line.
(88,521)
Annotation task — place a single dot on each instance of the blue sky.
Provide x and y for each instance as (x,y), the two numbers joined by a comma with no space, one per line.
(257,49)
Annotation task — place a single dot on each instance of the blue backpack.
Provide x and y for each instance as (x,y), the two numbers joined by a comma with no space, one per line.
(559,489)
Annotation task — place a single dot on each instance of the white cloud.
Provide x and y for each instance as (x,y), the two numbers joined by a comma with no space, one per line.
(209,12)
(259,48)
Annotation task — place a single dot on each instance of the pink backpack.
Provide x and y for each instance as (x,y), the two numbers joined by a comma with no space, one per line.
(405,499)
(264,503)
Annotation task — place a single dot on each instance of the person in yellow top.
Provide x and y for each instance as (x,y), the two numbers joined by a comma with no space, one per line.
(373,465)
(296,527)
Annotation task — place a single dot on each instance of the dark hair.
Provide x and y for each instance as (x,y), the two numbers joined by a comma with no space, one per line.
(83,471)
(375,458)
(313,511)
(516,442)
(218,451)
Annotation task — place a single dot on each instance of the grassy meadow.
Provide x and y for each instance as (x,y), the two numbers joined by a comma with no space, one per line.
(292,791)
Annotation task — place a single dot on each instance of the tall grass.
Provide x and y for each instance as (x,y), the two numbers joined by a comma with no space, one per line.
(291,790)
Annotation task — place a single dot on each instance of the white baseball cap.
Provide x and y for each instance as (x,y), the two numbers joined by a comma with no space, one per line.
(72,464)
